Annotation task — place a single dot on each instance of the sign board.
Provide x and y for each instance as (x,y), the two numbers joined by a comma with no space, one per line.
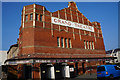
(19,62)
(67,23)
(72,69)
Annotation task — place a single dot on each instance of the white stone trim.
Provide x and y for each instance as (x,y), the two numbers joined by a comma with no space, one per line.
(34,15)
(23,16)
(43,17)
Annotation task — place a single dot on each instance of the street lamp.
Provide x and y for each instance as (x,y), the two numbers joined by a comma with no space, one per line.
(33,68)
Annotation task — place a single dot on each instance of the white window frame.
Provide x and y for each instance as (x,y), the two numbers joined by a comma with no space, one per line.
(58,42)
(31,16)
(37,17)
(70,44)
(62,42)
(26,17)
(87,44)
(84,44)
(66,42)
(93,45)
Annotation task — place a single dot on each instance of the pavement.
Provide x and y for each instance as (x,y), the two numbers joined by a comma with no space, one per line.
(92,76)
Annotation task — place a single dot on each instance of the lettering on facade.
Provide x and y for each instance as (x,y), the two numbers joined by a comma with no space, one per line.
(63,22)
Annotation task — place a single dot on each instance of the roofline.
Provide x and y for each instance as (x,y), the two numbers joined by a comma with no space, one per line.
(14,45)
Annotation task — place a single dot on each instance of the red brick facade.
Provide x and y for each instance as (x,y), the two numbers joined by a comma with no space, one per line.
(41,41)
(38,36)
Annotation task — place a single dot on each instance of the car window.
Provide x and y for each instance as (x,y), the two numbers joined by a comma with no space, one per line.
(117,67)
(102,68)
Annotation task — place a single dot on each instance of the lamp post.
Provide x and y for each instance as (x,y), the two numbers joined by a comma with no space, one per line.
(33,68)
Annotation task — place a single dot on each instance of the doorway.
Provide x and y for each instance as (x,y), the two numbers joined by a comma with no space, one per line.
(27,71)
(83,67)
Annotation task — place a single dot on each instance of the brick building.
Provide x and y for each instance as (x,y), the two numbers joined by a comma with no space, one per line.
(64,36)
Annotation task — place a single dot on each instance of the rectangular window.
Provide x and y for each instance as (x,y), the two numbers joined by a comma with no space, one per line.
(84,32)
(58,41)
(37,17)
(117,67)
(87,45)
(84,44)
(62,42)
(98,30)
(89,33)
(92,45)
(102,68)
(70,45)
(41,17)
(31,16)
(66,43)
(26,17)
(98,33)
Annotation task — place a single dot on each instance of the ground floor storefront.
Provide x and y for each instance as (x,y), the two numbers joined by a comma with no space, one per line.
(34,68)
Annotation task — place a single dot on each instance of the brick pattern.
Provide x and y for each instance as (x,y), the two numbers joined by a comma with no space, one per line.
(44,33)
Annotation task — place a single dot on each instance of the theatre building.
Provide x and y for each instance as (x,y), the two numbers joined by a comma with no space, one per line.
(57,43)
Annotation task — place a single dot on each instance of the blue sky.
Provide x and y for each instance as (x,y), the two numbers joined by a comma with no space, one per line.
(104,12)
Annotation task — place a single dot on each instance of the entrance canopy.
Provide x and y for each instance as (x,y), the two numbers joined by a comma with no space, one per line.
(55,60)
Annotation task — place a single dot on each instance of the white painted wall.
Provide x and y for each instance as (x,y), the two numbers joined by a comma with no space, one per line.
(3,57)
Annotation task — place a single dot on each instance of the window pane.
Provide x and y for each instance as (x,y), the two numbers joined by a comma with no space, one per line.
(31,16)
(62,43)
(102,68)
(92,44)
(117,67)
(66,43)
(84,44)
(70,46)
(26,17)
(58,41)
(40,17)
(37,16)
(87,45)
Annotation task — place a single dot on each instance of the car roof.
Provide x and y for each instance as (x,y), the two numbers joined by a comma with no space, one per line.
(106,65)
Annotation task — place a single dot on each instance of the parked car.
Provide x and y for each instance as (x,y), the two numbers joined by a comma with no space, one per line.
(108,71)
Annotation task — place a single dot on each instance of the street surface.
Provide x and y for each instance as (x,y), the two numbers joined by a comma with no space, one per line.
(86,77)
(92,76)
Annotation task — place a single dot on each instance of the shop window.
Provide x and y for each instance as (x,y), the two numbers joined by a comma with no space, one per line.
(31,16)
(70,45)
(26,17)
(62,42)
(84,44)
(37,17)
(66,43)
(58,41)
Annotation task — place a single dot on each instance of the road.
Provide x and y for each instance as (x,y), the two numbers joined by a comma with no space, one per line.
(92,76)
